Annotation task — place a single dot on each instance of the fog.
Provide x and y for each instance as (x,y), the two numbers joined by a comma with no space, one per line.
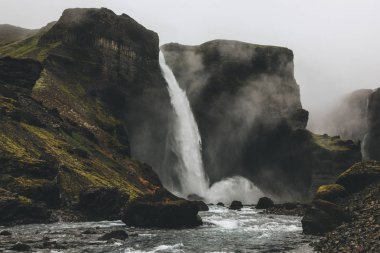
(336,43)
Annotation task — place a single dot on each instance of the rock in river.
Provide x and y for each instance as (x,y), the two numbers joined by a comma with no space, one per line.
(166,214)
(264,203)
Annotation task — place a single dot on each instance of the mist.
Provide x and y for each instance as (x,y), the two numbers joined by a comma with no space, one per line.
(336,43)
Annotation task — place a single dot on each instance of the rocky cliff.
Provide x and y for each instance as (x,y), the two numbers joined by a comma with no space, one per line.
(357,117)
(90,97)
(371,146)
(247,105)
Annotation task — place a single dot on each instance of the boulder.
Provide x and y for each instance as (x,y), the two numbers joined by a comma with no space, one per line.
(331,192)
(117,234)
(360,176)
(201,205)
(5,233)
(103,203)
(164,214)
(19,246)
(21,210)
(220,204)
(323,216)
(236,205)
(264,203)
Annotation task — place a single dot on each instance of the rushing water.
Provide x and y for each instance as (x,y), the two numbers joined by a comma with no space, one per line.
(188,148)
(187,138)
(224,231)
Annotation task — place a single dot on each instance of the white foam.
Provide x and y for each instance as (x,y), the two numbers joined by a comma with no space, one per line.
(176,248)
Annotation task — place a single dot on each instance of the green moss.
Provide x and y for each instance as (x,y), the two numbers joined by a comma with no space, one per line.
(330,188)
(7,103)
(24,200)
(99,171)
(330,143)
(29,182)
(28,48)
(17,150)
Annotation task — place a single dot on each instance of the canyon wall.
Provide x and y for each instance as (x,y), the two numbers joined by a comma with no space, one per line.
(247,105)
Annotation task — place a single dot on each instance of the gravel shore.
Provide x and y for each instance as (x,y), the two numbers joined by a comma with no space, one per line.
(362,232)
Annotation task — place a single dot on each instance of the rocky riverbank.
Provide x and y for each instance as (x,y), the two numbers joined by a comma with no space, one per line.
(347,213)
(362,233)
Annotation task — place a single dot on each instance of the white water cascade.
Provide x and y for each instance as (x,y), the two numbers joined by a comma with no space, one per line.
(188,140)
(188,145)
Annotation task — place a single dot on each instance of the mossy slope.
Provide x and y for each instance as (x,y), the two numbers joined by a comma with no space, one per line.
(61,128)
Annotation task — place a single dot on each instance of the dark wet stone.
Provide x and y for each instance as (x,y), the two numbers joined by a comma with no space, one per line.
(201,206)
(264,203)
(102,203)
(117,234)
(164,214)
(220,204)
(236,205)
(5,233)
(19,246)
(322,217)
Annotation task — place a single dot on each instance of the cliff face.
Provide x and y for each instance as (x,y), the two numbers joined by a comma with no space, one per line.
(372,139)
(65,114)
(247,105)
(357,118)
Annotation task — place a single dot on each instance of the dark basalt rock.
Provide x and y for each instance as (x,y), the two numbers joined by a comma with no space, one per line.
(220,204)
(19,246)
(5,233)
(166,214)
(103,203)
(360,176)
(117,234)
(19,72)
(19,210)
(264,203)
(236,205)
(372,140)
(331,192)
(322,217)
(202,206)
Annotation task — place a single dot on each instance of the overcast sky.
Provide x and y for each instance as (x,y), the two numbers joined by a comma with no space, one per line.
(336,42)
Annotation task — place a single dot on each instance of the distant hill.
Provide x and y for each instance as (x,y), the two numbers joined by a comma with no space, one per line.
(10,33)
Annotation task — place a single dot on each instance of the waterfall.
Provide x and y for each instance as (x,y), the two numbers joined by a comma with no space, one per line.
(188,148)
(188,141)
